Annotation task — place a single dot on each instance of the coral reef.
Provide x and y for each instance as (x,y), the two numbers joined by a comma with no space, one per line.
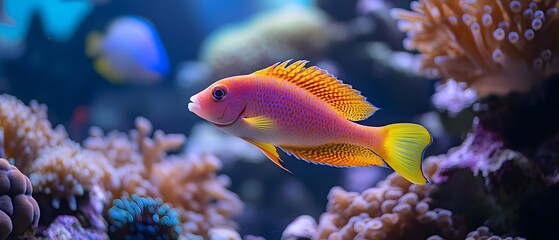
(395,209)
(142,218)
(268,38)
(67,172)
(69,227)
(188,184)
(108,167)
(26,130)
(18,210)
(483,233)
(453,97)
(495,46)
(302,227)
(200,197)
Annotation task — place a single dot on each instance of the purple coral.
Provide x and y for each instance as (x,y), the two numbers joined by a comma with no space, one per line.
(18,210)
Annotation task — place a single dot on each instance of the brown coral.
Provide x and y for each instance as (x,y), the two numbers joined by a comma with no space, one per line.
(18,210)
(496,46)
(26,130)
(395,209)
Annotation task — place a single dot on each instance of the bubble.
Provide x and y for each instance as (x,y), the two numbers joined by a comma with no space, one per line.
(529,34)
(537,24)
(513,37)
(486,19)
(499,34)
(533,6)
(515,6)
(487,9)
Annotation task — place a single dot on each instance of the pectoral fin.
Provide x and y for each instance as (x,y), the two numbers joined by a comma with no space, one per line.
(270,151)
(261,123)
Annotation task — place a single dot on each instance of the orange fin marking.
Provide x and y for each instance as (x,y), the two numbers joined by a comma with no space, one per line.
(270,151)
(337,154)
(341,97)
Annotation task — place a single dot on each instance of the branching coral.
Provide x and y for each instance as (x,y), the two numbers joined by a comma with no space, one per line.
(143,218)
(26,131)
(395,209)
(189,184)
(134,155)
(496,46)
(199,195)
(67,172)
(18,210)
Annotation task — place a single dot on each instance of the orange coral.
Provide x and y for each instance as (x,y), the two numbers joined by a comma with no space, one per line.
(67,172)
(189,184)
(192,187)
(395,209)
(26,130)
(496,46)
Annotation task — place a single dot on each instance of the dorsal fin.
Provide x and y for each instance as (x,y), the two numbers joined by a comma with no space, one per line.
(341,97)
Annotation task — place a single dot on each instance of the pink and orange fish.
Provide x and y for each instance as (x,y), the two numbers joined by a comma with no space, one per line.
(309,113)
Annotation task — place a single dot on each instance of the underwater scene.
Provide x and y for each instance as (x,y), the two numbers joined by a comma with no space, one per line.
(279,119)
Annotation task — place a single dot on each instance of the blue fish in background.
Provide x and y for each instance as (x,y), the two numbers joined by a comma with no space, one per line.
(129,52)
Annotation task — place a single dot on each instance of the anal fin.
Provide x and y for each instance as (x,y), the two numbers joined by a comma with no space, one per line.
(337,154)
(270,151)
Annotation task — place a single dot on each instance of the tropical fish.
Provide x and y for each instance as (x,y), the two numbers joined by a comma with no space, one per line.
(130,51)
(309,113)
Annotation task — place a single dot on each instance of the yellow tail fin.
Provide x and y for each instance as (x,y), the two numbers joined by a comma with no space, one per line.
(403,150)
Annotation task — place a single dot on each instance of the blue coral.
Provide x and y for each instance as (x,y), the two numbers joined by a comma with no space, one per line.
(143,218)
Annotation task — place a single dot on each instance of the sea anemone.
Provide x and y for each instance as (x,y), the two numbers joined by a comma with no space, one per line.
(18,210)
(143,218)
(495,46)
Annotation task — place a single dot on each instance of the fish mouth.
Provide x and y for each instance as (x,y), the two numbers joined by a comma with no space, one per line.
(234,121)
(193,105)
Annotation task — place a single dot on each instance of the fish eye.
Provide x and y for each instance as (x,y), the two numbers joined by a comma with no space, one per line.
(219,93)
